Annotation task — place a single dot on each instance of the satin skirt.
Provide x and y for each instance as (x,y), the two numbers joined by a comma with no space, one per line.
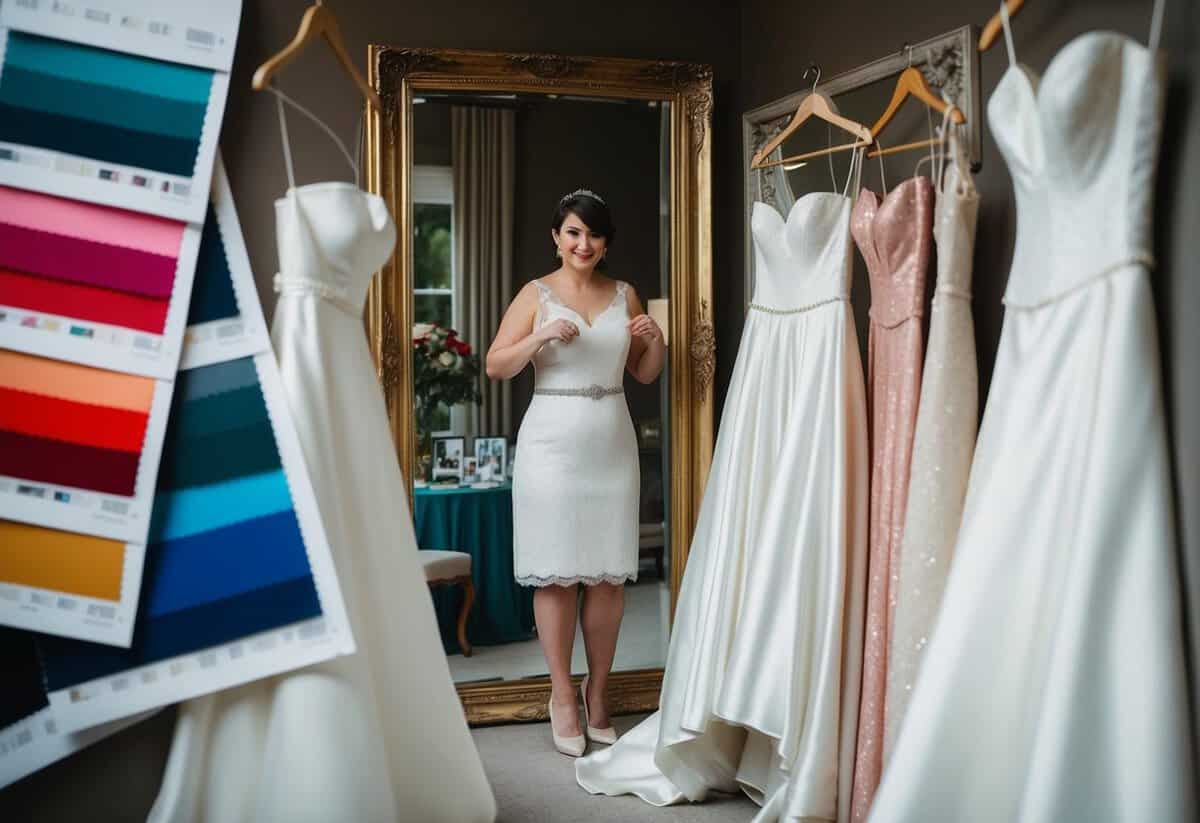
(761,684)
(1052,688)
(378,735)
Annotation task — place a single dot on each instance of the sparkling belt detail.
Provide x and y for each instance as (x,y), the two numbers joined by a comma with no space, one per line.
(291,284)
(594,391)
(798,309)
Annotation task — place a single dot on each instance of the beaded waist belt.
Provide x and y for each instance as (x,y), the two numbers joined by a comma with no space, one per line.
(593,391)
(799,309)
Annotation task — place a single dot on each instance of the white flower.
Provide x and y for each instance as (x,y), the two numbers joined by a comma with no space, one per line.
(448,359)
(421,329)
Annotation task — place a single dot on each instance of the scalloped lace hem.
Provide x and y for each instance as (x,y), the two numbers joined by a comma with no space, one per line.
(573,579)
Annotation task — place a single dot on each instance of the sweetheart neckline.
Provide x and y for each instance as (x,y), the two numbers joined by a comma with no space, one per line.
(881,201)
(799,200)
(1034,81)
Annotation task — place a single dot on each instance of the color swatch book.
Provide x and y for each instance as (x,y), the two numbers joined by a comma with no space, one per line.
(30,738)
(118,104)
(225,319)
(197,34)
(94,284)
(67,584)
(79,446)
(239,582)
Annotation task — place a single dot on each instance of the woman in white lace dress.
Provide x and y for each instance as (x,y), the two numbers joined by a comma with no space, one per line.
(576,486)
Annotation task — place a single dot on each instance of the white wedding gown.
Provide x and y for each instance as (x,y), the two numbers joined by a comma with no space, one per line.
(761,684)
(1053,686)
(378,735)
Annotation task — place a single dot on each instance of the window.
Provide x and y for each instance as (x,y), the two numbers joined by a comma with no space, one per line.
(433,258)
(433,245)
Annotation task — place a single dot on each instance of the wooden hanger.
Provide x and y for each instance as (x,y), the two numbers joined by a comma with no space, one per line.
(814,105)
(996,25)
(911,83)
(318,21)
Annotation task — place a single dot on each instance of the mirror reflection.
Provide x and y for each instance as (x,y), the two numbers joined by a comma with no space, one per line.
(589,476)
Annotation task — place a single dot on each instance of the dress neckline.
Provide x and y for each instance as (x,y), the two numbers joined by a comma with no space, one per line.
(560,302)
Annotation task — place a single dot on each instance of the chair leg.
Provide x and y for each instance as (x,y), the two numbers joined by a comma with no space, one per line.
(468,600)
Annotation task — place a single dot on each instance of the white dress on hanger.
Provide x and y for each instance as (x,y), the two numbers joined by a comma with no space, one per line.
(378,735)
(944,441)
(761,683)
(1053,686)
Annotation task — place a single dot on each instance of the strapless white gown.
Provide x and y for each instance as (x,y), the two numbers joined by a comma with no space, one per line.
(1053,686)
(761,684)
(378,735)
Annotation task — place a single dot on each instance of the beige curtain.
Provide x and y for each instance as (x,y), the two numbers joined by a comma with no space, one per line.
(482,144)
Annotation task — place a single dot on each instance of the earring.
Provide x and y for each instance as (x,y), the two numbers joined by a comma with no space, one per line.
(558,252)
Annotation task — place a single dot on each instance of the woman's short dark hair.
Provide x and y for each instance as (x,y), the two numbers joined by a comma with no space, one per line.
(592,211)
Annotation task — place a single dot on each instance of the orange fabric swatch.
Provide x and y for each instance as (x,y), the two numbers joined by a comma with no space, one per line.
(68,381)
(61,561)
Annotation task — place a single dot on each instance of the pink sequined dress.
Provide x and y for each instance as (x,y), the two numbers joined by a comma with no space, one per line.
(895,237)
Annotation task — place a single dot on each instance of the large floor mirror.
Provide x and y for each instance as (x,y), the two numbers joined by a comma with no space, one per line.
(473,151)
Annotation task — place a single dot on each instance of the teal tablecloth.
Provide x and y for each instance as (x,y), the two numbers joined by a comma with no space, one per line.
(478,522)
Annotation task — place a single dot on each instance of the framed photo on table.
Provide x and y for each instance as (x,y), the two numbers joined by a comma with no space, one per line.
(491,458)
(470,470)
(448,454)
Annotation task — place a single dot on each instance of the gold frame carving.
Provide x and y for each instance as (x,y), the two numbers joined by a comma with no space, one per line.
(397,74)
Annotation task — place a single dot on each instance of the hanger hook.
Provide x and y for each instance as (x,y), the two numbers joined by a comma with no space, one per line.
(908,49)
(813,67)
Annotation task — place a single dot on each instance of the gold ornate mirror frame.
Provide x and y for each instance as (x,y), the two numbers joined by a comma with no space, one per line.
(397,74)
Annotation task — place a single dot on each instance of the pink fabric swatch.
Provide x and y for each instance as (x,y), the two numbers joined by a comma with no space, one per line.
(101,224)
(86,261)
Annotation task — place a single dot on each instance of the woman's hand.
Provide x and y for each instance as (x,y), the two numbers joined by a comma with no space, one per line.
(644,326)
(559,329)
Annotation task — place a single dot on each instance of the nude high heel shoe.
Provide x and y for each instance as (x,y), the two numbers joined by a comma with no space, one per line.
(607,735)
(570,746)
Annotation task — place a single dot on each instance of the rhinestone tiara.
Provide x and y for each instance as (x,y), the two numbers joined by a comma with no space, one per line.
(585,193)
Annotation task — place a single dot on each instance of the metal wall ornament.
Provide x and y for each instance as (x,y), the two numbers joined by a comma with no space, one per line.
(399,74)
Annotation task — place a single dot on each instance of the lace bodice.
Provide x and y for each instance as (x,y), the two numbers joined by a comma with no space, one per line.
(596,357)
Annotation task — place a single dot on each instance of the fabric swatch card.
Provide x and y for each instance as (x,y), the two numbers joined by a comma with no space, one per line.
(94,284)
(79,447)
(197,34)
(30,738)
(67,584)
(225,319)
(108,127)
(239,581)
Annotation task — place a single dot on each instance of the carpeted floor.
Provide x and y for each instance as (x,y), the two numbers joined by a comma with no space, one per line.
(535,784)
